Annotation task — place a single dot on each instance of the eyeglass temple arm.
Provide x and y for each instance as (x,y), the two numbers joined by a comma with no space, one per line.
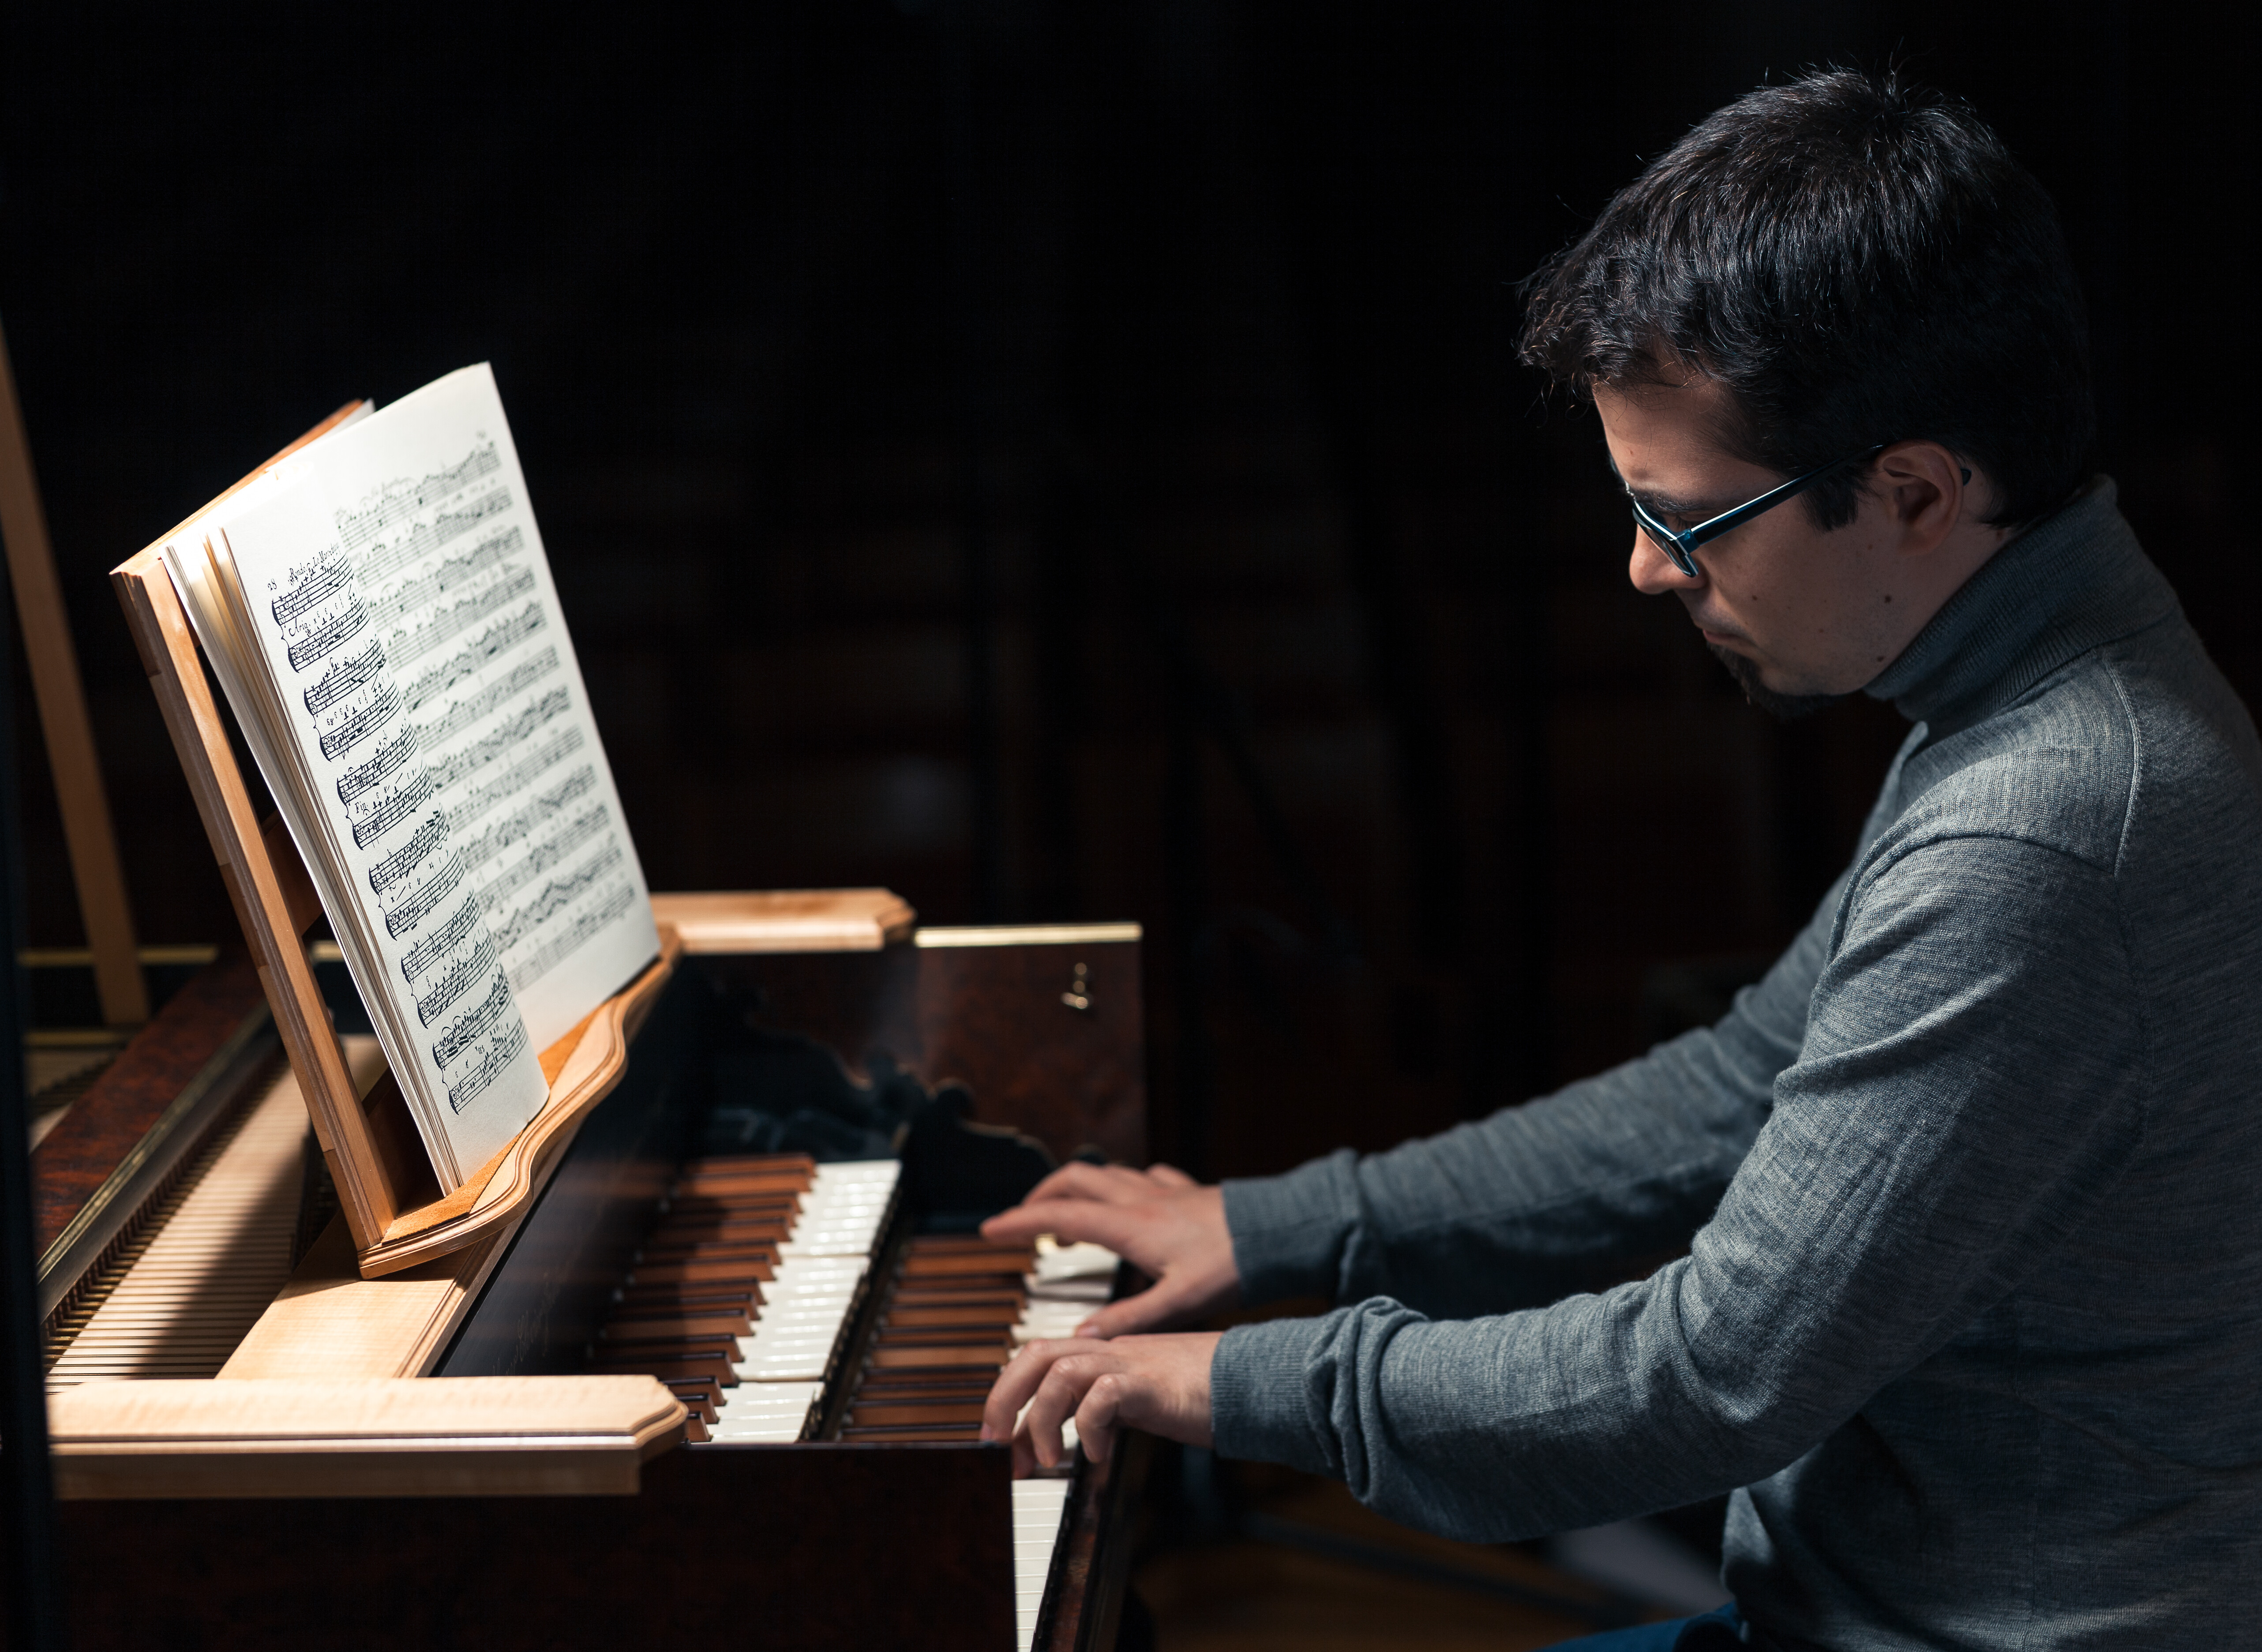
(1752,508)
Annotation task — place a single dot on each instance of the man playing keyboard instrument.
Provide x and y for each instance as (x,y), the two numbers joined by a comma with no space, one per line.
(1970,1318)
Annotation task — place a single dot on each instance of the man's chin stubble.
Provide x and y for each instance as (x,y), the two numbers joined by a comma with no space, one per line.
(1785,707)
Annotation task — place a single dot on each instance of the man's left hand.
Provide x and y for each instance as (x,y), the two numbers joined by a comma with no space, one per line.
(1160,1384)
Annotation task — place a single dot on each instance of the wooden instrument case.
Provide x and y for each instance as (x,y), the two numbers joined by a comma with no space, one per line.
(820,1545)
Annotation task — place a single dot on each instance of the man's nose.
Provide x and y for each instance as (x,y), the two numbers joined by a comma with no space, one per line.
(1653,573)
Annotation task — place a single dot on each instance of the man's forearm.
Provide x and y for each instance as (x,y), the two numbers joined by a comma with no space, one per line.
(1517,1209)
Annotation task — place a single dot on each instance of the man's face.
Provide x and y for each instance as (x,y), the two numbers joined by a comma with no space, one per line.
(1799,615)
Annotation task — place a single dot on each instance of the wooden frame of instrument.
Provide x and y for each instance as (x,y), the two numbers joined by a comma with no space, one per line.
(450,1545)
(554,1436)
(391,1201)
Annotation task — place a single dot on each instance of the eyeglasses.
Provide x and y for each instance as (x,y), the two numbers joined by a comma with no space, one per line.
(1681,546)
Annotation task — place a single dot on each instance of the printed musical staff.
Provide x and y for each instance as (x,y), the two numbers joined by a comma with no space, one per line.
(410,643)
(384,559)
(489,645)
(388,806)
(351,729)
(562,943)
(550,851)
(456,979)
(473,1024)
(429,839)
(331,575)
(556,896)
(397,502)
(399,919)
(492,1064)
(388,760)
(506,736)
(461,714)
(315,640)
(425,589)
(429,951)
(483,796)
(529,817)
(392,580)
(344,677)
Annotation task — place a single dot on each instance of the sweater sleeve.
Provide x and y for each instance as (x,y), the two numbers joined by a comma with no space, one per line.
(1939,1132)
(1518,1208)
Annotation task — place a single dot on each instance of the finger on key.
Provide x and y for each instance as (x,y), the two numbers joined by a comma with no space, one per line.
(1069,1220)
(1095,1416)
(1057,1398)
(1015,1386)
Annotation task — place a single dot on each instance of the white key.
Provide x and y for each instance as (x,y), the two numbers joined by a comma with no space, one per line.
(803,1307)
(766,1414)
(816,1288)
(809,1270)
(793,1400)
(1057,1262)
(808,1320)
(1037,1505)
(804,1363)
(800,1345)
(783,1433)
(760,1350)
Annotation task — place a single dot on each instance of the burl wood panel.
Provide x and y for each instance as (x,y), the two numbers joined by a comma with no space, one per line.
(724,1546)
(1093,1563)
(104,1125)
(993,1017)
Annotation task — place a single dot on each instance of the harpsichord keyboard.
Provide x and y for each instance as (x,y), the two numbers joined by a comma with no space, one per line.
(747,1294)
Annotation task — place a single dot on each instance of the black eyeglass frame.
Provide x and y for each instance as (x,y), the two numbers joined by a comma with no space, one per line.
(1680,546)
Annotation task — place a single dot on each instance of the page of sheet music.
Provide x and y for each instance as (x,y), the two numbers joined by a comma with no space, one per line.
(333,715)
(427,501)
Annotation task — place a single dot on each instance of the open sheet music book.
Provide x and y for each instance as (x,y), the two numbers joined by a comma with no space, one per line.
(380,614)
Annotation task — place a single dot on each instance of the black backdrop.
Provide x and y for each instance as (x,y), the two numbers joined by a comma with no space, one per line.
(1066,461)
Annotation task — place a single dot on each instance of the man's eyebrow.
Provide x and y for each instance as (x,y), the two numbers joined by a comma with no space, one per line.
(1663,504)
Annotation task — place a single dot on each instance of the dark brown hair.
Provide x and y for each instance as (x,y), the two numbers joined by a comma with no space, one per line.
(1857,262)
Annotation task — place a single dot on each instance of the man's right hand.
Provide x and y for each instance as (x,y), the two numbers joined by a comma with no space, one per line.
(1161,1220)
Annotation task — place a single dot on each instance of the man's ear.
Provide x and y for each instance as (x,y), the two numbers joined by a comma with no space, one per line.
(1925,489)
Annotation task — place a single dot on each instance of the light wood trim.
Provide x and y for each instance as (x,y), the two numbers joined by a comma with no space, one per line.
(1028,936)
(582,1068)
(88,834)
(184,695)
(330,1323)
(298,896)
(429,1437)
(788,919)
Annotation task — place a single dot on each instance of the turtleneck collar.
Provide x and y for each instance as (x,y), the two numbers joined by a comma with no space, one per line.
(2074,581)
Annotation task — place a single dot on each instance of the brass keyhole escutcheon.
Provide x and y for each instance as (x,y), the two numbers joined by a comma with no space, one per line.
(1078,996)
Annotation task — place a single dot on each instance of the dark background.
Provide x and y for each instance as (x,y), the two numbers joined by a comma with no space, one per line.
(1067,461)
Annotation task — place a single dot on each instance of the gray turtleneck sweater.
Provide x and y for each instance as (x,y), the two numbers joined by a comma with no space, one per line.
(1970,1320)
